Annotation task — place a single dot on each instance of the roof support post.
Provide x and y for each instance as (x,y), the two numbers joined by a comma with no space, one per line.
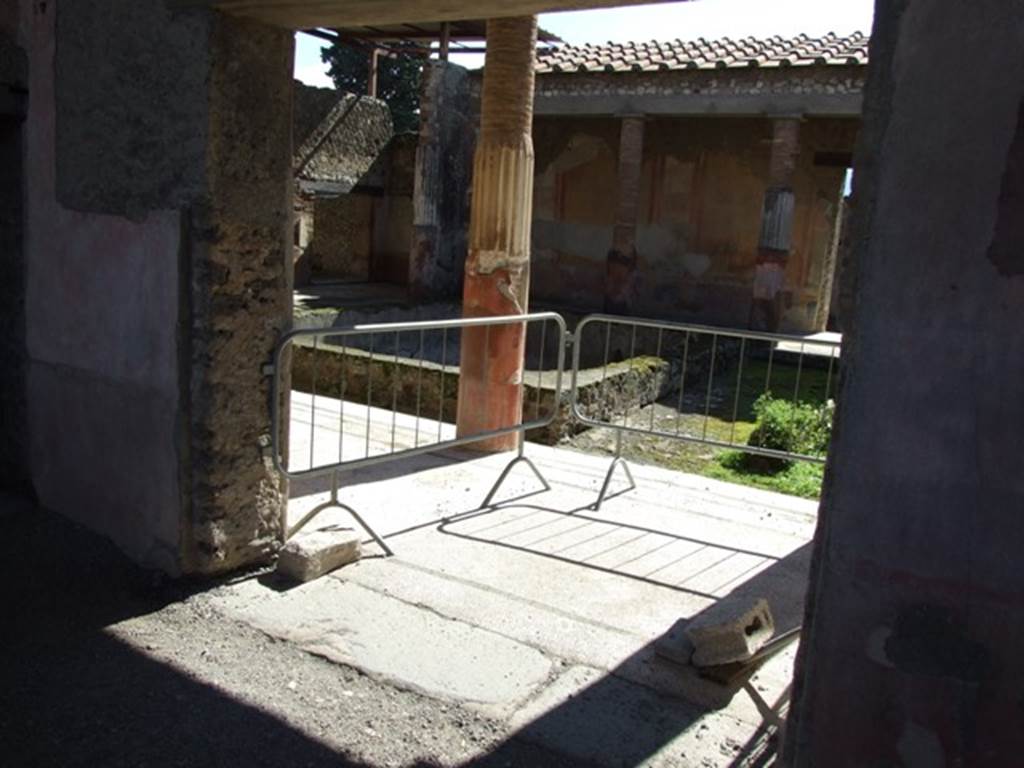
(372,80)
(498,263)
(445,41)
(621,261)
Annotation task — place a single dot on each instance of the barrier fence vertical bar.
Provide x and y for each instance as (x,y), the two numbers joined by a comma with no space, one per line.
(799,370)
(711,378)
(632,354)
(828,379)
(369,396)
(682,381)
(341,406)
(394,391)
(312,408)
(444,364)
(739,385)
(540,369)
(419,389)
(657,384)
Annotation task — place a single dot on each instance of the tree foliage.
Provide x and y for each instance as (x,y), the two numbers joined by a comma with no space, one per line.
(398,78)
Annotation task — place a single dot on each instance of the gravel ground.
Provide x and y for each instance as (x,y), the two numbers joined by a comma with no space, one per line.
(105,665)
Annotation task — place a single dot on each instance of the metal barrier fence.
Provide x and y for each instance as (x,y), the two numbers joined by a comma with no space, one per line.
(378,393)
(382,392)
(708,377)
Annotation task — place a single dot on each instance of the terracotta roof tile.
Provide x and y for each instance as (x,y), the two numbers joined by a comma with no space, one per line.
(800,51)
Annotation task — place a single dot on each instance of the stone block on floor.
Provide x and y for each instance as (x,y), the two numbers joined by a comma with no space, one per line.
(311,554)
(733,629)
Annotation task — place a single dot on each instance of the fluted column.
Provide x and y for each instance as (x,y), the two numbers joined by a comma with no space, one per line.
(498,263)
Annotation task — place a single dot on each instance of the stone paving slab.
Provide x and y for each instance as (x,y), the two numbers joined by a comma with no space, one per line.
(407,645)
(609,721)
(519,609)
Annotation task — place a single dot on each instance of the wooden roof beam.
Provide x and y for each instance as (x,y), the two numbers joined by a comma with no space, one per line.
(302,14)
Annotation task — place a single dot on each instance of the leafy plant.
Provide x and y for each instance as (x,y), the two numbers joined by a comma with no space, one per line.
(793,427)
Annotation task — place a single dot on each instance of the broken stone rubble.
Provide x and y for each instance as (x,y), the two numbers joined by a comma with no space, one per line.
(311,554)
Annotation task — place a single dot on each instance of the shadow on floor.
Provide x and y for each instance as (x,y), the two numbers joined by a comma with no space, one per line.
(72,694)
(613,715)
(795,566)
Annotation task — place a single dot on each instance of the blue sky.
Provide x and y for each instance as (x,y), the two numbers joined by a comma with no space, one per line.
(666,21)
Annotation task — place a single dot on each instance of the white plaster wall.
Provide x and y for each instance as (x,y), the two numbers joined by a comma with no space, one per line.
(101,316)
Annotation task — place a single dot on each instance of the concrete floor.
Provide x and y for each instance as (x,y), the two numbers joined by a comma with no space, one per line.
(541,612)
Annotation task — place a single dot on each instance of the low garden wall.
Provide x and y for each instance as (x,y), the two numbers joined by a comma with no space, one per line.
(405,383)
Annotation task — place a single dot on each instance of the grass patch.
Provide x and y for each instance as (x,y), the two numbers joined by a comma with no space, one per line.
(800,478)
(811,386)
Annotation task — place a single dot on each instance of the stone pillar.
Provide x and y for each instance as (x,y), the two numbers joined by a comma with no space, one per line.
(830,264)
(444,163)
(497,280)
(911,650)
(240,283)
(776,236)
(621,262)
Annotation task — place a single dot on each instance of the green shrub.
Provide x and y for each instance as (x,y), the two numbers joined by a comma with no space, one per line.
(783,425)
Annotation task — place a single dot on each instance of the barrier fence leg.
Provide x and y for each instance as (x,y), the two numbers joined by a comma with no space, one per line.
(618,461)
(520,458)
(334,503)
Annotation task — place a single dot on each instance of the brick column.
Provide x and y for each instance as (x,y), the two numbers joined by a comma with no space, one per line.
(776,236)
(622,258)
(777,216)
(497,280)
